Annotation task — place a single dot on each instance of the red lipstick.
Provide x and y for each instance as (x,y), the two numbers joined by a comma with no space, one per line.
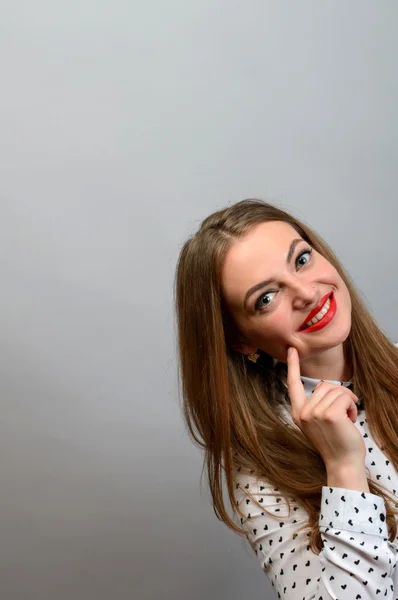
(325,320)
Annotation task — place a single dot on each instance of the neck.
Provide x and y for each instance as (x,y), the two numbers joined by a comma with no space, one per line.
(330,364)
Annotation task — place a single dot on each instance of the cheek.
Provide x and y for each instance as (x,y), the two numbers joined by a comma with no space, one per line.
(275,328)
(279,322)
(274,337)
(347,302)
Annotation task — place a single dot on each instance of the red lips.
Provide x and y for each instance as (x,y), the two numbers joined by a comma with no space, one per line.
(316,309)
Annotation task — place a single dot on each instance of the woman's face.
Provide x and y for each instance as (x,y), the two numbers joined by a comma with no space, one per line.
(271,315)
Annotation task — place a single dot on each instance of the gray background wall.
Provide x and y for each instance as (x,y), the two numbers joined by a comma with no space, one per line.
(124,124)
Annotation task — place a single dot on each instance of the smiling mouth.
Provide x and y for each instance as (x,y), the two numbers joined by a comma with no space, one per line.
(319,315)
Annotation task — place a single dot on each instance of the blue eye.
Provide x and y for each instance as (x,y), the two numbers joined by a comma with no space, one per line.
(309,251)
(258,305)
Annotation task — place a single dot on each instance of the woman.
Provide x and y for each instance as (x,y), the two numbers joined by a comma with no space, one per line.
(307,441)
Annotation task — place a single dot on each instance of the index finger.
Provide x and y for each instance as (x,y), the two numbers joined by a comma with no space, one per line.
(295,385)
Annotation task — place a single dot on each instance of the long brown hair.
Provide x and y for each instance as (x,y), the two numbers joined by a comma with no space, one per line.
(230,404)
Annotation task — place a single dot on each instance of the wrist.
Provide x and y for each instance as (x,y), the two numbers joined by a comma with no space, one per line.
(348,476)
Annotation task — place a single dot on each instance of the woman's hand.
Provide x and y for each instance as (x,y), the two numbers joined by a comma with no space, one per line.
(327,419)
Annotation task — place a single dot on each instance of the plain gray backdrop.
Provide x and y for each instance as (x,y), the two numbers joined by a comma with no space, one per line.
(123,125)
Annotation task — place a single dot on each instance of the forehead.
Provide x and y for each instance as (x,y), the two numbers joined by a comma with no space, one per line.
(259,255)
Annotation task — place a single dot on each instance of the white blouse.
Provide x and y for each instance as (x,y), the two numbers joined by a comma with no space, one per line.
(356,562)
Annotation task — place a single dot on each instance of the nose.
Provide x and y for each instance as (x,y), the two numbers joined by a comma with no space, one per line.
(304,294)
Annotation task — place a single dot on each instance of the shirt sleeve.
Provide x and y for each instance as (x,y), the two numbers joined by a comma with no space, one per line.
(356,561)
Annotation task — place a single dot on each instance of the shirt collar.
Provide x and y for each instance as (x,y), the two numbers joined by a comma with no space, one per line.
(309,384)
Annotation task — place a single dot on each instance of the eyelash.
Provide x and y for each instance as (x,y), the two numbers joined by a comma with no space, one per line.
(261,308)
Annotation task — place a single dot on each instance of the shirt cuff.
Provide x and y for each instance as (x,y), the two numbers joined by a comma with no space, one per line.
(352,510)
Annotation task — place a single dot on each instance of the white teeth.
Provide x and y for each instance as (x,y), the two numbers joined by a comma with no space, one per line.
(319,315)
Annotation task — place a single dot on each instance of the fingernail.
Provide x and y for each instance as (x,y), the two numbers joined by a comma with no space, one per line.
(290,352)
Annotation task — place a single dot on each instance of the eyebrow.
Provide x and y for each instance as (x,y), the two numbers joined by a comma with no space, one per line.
(263,284)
